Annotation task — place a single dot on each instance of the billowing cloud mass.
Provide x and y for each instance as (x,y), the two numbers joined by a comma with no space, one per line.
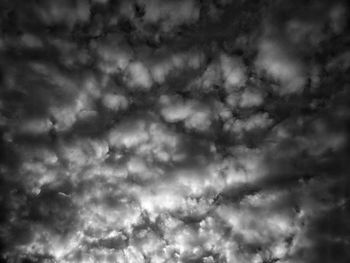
(174,131)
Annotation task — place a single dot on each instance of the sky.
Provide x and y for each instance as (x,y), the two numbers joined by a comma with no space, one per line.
(174,131)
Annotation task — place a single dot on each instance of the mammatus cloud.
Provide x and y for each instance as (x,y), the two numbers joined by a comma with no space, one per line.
(174,131)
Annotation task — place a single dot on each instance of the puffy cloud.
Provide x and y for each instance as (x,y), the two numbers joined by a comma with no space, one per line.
(114,54)
(174,109)
(233,71)
(115,102)
(254,122)
(162,199)
(164,143)
(53,13)
(31,40)
(195,115)
(84,152)
(129,134)
(322,138)
(251,98)
(139,76)
(34,126)
(278,62)
(171,63)
(163,12)
(211,76)
(337,14)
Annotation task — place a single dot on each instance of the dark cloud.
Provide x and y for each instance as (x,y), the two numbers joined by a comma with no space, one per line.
(174,131)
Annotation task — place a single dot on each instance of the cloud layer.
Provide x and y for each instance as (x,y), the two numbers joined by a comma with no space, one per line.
(174,131)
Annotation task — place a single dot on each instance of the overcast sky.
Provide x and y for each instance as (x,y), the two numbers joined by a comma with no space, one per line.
(174,131)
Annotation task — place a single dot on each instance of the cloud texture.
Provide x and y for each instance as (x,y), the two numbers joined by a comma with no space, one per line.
(174,131)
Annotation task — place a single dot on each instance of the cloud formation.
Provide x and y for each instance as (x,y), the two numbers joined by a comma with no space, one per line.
(174,131)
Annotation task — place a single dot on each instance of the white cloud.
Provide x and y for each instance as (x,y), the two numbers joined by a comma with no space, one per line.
(257,121)
(251,98)
(233,99)
(115,102)
(170,13)
(164,144)
(129,134)
(114,53)
(337,15)
(174,109)
(195,115)
(281,65)
(138,76)
(66,115)
(53,12)
(31,40)
(199,120)
(161,68)
(233,71)
(161,199)
(34,126)
(137,165)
